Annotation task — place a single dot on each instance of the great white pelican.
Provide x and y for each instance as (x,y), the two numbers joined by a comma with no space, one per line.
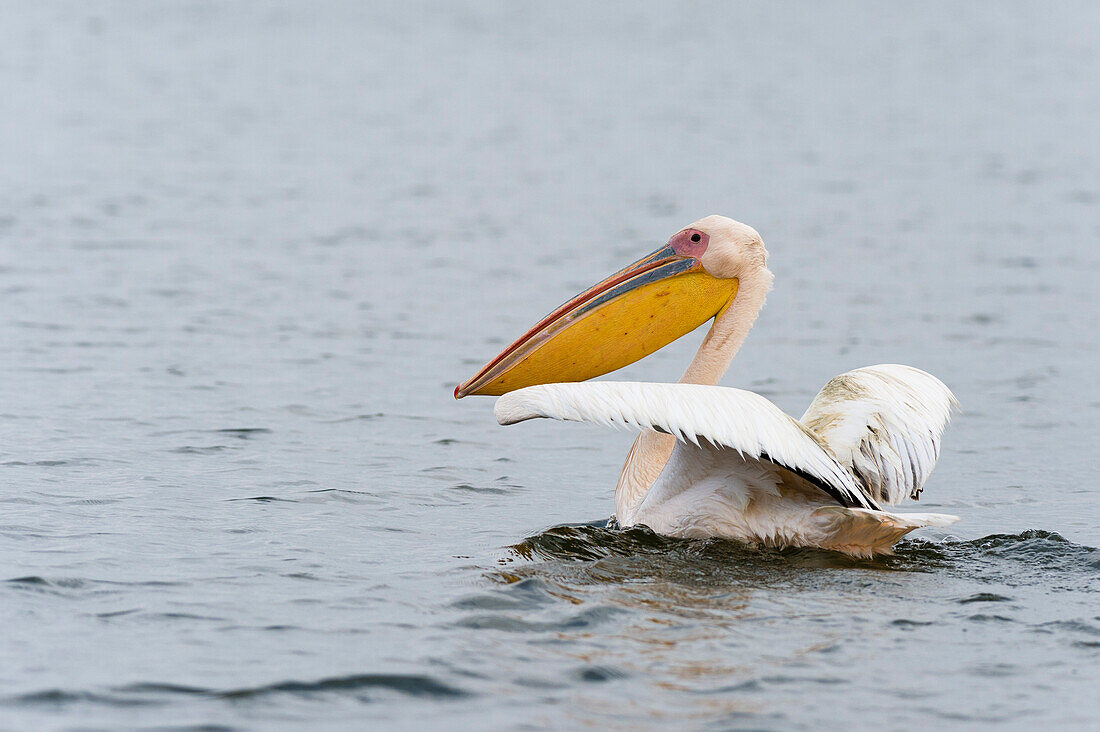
(713,461)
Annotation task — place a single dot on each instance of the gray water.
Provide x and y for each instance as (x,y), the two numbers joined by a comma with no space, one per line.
(248,249)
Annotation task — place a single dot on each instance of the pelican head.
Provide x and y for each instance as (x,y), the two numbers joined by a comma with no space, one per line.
(632,313)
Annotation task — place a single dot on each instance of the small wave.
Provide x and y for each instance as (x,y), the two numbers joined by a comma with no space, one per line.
(1079,626)
(588,618)
(595,541)
(710,561)
(984,597)
(34,582)
(409,684)
(72,462)
(78,586)
(61,697)
(1030,554)
(524,594)
(30,580)
(149,693)
(907,623)
(989,618)
(480,489)
(588,542)
(243,433)
(600,674)
(202,450)
(599,539)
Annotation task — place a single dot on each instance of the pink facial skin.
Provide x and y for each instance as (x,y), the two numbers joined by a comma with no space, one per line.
(690,243)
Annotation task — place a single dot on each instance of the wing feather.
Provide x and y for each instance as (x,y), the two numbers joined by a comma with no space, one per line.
(727,418)
(884,423)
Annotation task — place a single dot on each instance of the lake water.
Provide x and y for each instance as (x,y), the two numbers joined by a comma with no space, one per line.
(248,249)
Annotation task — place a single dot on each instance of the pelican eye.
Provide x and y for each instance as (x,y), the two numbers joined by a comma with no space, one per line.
(695,237)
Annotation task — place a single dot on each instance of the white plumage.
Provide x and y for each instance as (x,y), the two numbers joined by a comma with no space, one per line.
(884,424)
(726,418)
(745,470)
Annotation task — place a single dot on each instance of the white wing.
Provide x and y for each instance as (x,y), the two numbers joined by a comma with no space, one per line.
(729,418)
(884,424)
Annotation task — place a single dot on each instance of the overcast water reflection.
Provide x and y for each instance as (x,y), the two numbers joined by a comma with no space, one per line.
(248,249)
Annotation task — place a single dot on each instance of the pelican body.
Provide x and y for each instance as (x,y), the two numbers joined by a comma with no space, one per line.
(713,461)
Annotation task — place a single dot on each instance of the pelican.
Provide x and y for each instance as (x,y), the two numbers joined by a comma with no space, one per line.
(713,461)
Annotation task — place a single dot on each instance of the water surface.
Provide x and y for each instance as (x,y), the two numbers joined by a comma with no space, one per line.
(248,250)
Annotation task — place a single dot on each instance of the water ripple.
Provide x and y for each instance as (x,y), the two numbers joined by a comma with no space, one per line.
(150,693)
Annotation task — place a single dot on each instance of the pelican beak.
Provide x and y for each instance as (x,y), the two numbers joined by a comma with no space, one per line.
(629,315)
